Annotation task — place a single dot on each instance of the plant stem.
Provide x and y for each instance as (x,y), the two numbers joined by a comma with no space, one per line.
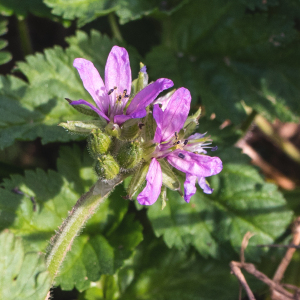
(24,37)
(114,27)
(84,208)
(245,126)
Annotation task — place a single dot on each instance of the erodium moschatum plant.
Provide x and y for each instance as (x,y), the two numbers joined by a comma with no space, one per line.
(136,134)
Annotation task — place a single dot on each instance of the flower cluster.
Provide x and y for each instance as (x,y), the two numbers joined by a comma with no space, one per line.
(154,135)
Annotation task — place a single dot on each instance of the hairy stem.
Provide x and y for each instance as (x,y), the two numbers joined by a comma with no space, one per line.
(84,208)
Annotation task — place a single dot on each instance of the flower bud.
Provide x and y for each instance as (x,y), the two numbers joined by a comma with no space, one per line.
(142,80)
(106,167)
(130,154)
(113,129)
(98,143)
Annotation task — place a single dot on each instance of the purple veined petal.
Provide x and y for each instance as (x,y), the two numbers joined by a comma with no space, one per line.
(175,113)
(164,100)
(147,95)
(118,73)
(189,187)
(150,193)
(119,119)
(158,117)
(195,164)
(92,82)
(98,111)
(204,186)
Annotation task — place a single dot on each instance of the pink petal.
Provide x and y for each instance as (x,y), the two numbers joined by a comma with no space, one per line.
(175,113)
(147,95)
(150,193)
(117,73)
(189,187)
(92,82)
(98,111)
(204,186)
(120,119)
(158,117)
(195,164)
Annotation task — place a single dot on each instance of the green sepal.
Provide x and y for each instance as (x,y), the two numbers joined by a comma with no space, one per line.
(149,129)
(106,167)
(169,179)
(138,179)
(148,149)
(98,143)
(83,127)
(130,155)
(113,129)
(191,123)
(83,109)
(130,130)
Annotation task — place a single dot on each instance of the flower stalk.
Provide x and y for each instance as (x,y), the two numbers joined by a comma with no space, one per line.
(84,208)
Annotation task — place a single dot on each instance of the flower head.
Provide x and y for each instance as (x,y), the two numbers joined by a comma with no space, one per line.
(111,98)
(180,152)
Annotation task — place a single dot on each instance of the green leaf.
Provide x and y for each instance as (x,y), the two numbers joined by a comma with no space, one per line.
(127,10)
(217,50)
(292,197)
(86,11)
(4,55)
(161,273)
(23,275)
(34,110)
(108,238)
(22,8)
(241,202)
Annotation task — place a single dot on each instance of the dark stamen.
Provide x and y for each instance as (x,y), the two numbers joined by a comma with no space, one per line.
(119,97)
(185,142)
(126,96)
(214,148)
(111,90)
(176,135)
(180,155)
(178,142)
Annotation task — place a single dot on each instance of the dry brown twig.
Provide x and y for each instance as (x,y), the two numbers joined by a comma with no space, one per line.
(278,292)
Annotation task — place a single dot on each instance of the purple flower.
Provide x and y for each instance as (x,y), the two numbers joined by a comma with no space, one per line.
(112,97)
(179,153)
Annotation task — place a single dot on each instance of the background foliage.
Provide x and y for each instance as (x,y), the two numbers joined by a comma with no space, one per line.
(234,56)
